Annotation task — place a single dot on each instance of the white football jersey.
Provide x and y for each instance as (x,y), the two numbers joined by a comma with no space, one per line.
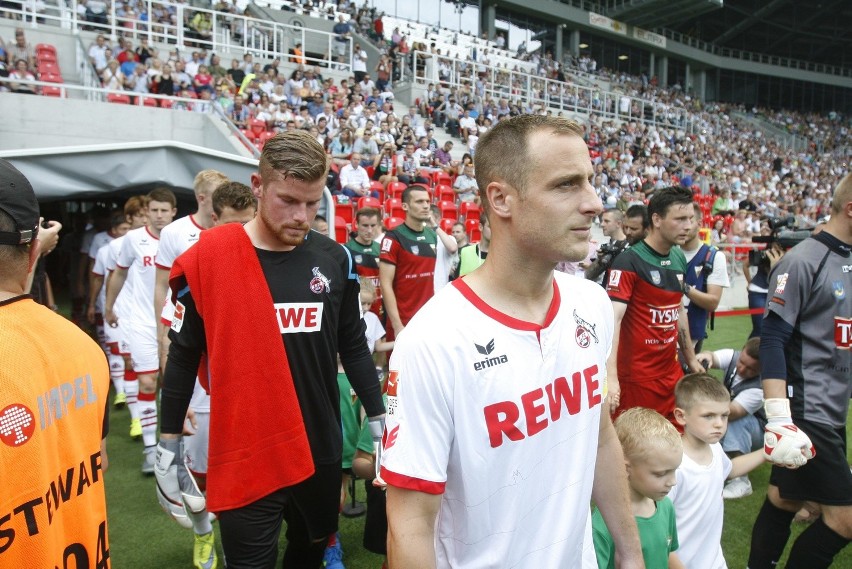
(98,241)
(121,302)
(99,269)
(175,238)
(501,417)
(138,254)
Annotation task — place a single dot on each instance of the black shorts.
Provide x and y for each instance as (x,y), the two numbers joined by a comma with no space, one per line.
(376,524)
(250,534)
(826,478)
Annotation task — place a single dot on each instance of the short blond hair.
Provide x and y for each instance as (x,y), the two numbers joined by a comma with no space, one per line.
(643,431)
(367,286)
(842,194)
(206,182)
(697,388)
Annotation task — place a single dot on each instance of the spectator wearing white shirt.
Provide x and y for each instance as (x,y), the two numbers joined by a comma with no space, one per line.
(354,180)
(97,54)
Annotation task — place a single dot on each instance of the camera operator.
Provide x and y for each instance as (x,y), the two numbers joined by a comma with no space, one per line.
(764,260)
(706,275)
(611,221)
(805,360)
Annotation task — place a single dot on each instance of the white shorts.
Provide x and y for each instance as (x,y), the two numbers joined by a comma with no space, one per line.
(143,347)
(116,340)
(195,446)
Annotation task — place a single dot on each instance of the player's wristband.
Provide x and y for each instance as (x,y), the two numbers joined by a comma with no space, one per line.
(778,410)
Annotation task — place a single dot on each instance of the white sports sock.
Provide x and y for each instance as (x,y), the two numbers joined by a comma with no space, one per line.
(131,388)
(200,522)
(148,416)
(116,372)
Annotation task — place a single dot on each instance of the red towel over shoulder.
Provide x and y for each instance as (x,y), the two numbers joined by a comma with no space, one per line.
(258,442)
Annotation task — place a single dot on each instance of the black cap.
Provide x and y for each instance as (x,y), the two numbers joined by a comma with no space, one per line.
(17,199)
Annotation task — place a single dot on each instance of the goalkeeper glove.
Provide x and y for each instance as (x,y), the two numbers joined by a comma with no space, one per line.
(783,443)
(177,490)
(377,429)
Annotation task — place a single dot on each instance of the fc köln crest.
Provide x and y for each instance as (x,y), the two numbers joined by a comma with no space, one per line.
(320,282)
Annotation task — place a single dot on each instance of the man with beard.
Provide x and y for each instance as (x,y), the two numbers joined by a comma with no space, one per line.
(270,305)
(646,285)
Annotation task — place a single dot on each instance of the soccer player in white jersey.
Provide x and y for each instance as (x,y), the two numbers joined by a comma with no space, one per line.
(232,202)
(95,310)
(497,435)
(136,210)
(135,263)
(177,237)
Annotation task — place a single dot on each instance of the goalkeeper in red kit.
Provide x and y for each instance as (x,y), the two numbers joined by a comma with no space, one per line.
(805,364)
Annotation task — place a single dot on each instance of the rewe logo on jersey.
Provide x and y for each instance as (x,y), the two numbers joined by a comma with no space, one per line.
(537,409)
(488,362)
(294,317)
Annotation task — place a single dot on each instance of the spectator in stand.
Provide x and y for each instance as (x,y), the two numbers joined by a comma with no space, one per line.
(424,155)
(342,35)
(236,73)
(127,58)
(21,49)
(384,165)
(138,80)
(366,147)
(21,72)
(409,171)
(202,26)
(203,80)
(341,147)
(216,70)
(444,160)
(239,114)
(354,180)
(97,54)
(164,83)
(359,62)
(724,205)
(144,52)
(112,77)
(465,186)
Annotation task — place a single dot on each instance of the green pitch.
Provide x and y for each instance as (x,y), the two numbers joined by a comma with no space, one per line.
(143,537)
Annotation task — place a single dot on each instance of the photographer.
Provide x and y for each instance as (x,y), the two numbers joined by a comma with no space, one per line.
(764,260)
(611,222)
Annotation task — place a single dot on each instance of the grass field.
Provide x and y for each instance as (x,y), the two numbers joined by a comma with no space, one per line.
(143,537)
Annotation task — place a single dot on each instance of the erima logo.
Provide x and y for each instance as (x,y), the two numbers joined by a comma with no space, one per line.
(486,350)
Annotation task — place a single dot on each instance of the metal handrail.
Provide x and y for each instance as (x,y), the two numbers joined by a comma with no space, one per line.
(262,38)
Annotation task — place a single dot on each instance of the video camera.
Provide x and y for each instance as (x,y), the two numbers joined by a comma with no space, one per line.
(782,234)
(605,256)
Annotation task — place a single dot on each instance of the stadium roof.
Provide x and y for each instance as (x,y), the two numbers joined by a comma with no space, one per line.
(819,31)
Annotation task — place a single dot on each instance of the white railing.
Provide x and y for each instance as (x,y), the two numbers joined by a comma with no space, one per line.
(230,32)
(534,90)
(177,104)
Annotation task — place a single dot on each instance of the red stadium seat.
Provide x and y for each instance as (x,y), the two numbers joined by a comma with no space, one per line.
(119,98)
(391,222)
(368,201)
(444,193)
(370,171)
(343,208)
(447,225)
(469,210)
(45,47)
(341,232)
(472,229)
(51,78)
(448,210)
(169,103)
(257,126)
(247,133)
(264,137)
(43,57)
(48,67)
(148,101)
(395,189)
(442,178)
(51,91)
(376,186)
(393,207)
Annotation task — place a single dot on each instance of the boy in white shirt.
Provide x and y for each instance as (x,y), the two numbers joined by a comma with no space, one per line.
(702,406)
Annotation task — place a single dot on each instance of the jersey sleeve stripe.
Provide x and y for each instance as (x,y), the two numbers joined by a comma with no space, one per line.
(159,266)
(122,266)
(410,483)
